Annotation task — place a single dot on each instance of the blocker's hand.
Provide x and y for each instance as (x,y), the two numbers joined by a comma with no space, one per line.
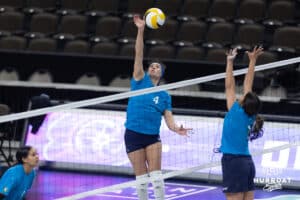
(257,51)
(231,54)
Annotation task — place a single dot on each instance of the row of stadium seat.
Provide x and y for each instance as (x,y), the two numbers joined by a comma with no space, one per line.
(110,48)
(283,10)
(113,28)
(195,30)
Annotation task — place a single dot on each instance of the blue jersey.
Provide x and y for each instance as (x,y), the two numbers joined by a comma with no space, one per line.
(144,112)
(15,183)
(235,131)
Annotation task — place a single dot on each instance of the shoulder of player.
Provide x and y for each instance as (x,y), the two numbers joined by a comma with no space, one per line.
(15,168)
(13,172)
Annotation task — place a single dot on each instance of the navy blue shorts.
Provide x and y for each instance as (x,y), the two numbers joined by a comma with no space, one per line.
(135,141)
(238,173)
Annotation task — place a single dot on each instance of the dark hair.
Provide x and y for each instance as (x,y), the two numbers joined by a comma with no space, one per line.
(259,122)
(256,130)
(162,65)
(251,103)
(22,152)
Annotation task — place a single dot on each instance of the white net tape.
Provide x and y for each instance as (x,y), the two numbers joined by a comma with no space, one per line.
(124,95)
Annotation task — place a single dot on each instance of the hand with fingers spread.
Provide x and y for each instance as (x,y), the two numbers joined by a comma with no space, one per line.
(257,51)
(231,54)
(140,23)
(182,131)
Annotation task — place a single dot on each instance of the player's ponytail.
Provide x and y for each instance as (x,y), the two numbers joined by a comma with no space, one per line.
(259,122)
(256,131)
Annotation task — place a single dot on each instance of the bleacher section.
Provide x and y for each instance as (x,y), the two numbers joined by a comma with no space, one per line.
(38,37)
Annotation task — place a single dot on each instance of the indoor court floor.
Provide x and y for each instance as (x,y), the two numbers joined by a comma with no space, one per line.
(58,184)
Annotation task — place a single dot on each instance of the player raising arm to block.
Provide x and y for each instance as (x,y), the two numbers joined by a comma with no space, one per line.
(241,124)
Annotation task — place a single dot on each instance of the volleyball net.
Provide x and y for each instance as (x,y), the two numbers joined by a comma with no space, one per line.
(89,136)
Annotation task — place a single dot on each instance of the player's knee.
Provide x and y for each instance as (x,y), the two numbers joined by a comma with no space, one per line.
(142,188)
(156,178)
(142,191)
(158,184)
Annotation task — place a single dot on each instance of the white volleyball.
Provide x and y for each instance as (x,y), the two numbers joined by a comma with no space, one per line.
(154,18)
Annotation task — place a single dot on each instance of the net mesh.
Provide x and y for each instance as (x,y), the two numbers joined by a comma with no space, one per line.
(78,137)
(92,140)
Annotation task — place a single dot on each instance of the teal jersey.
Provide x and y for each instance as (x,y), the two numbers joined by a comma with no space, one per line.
(15,183)
(144,112)
(235,131)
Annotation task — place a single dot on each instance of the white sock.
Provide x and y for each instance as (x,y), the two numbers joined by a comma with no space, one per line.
(158,185)
(142,189)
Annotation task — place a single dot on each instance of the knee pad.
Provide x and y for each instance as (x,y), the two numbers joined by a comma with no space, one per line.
(142,189)
(158,184)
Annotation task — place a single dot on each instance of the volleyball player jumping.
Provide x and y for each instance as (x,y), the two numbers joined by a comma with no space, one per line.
(144,114)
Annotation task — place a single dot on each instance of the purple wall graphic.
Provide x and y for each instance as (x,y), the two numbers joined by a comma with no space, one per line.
(96,137)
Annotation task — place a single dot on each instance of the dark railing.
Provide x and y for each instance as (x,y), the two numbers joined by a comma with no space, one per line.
(67,67)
